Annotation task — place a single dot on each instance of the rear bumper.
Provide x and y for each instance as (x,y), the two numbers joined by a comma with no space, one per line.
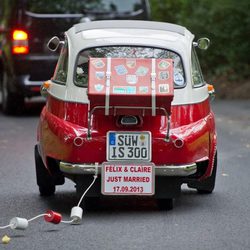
(83,169)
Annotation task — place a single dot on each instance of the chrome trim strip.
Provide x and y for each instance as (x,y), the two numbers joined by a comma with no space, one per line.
(38,15)
(42,58)
(164,170)
(27,82)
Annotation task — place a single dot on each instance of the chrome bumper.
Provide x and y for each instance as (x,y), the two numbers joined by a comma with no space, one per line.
(164,170)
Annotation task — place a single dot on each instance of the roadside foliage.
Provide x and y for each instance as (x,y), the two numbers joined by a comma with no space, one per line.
(225,22)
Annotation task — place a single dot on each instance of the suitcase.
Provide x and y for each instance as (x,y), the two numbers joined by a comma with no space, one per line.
(131,86)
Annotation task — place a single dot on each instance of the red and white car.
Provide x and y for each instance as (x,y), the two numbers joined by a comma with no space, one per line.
(128,103)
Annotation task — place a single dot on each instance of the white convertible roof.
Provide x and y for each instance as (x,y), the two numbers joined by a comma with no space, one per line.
(134,24)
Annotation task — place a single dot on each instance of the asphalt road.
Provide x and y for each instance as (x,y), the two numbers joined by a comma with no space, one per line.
(217,221)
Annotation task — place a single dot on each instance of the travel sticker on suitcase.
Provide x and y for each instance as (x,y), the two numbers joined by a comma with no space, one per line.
(131,82)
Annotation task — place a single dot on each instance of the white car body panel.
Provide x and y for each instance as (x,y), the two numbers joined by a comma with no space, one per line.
(180,43)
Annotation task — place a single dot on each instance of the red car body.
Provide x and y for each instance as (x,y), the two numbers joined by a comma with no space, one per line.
(73,132)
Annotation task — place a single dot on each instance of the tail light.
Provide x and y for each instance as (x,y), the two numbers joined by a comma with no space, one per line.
(20,42)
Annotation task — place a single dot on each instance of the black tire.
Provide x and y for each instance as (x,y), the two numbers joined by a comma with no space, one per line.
(45,181)
(12,104)
(206,186)
(165,204)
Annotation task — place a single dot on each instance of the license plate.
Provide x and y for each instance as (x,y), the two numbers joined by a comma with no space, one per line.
(127,146)
(128,179)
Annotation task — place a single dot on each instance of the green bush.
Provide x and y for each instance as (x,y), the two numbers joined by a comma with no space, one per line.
(225,22)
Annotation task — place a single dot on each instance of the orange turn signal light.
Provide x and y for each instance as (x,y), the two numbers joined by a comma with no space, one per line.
(210,88)
(46,85)
(211,91)
(44,88)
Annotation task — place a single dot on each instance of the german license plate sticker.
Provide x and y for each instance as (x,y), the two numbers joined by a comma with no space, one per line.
(127,146)
(127,179)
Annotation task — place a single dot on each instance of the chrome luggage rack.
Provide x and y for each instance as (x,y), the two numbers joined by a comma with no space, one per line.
(115,108)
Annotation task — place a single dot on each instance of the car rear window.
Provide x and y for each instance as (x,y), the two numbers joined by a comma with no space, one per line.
(83,6)
(81,71)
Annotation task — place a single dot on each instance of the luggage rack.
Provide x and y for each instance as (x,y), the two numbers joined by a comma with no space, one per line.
(115,108)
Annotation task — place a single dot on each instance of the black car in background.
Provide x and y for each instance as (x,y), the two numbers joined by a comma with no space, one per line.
(27,25)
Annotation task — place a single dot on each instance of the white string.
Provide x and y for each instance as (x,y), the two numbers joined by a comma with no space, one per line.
(5,226)
(79,203)
(38,216)
(34,218)
(68,222)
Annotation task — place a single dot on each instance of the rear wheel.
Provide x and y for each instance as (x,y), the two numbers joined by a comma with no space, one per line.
(165,204)
(45,181)
(206,186)
(11,103)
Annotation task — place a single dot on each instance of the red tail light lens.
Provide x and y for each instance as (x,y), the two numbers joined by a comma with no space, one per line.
(20,43)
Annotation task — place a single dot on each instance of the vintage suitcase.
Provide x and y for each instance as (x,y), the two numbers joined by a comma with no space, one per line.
(131,85)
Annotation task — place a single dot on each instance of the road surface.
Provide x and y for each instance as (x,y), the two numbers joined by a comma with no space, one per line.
(217,221)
